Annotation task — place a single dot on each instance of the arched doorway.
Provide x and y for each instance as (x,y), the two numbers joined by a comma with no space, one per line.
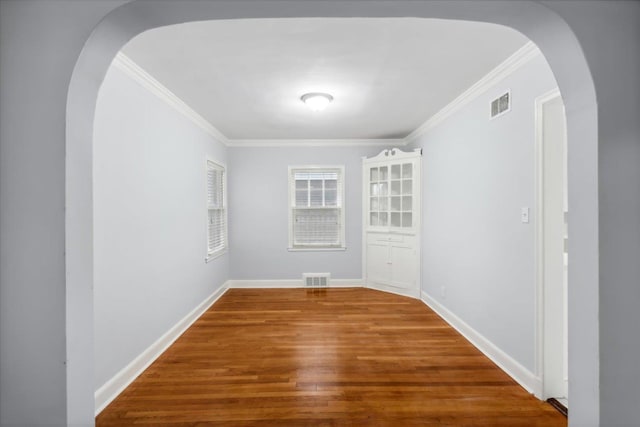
(537,22)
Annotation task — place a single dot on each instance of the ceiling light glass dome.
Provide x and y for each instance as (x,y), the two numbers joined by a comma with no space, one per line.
(317,101)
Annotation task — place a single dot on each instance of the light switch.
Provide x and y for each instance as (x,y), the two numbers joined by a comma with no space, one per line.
(524,215)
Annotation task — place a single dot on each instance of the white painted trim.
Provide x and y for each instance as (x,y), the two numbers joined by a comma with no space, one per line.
(317,143)
(391,154)
(215,255)
(521,57)
(365,211)
(410,293)
(539,225)
(539,232)
(342,205)
(220,166)
(322,249)
(137,73)
(292,283)
(112,388)
(514,369)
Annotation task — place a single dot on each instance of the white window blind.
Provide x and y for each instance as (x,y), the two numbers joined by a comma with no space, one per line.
(317,216)
(216,209)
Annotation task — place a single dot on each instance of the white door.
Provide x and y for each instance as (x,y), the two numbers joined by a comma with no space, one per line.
(553,257)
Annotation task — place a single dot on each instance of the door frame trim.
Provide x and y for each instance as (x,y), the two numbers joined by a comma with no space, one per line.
(540,101)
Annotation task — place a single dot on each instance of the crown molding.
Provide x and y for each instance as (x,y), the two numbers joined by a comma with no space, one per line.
(521,57)
(133,70)
(317,143)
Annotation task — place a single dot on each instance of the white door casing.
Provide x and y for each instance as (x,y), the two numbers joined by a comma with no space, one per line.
(551,244)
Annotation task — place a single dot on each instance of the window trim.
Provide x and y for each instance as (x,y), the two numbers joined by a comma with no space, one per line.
(291,206)
(211,255)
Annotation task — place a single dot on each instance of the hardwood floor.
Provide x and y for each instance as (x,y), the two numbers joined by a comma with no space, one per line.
(335,357)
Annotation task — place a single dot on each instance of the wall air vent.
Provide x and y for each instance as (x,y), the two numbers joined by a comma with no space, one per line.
(316,280)
(501,105)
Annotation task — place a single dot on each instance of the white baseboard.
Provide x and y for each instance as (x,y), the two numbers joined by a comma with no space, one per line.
(411,293)
(112,388)
(514,369)
(293,283)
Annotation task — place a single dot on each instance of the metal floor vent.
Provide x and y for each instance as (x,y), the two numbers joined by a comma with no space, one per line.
(316,280)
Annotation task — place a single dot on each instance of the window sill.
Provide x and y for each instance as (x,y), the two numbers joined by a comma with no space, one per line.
(316,249)
(210,257)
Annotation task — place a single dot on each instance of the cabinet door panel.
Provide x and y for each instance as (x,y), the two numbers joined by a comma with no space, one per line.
(378,267)
(403,266)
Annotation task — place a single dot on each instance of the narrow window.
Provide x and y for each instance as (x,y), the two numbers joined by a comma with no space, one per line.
(316,212)
(216,210)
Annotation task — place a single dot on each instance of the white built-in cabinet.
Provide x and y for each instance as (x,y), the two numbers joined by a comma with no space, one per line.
(391,208)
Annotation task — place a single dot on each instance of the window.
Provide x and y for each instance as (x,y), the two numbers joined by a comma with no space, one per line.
(216,210)
(316,208)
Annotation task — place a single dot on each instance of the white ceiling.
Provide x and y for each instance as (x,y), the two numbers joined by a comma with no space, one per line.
(387,76)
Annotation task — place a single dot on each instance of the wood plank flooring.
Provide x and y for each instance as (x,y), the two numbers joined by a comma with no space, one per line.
(334,357)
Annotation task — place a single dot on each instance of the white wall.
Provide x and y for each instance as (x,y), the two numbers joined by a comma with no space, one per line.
(149,221)
(258,191)
(477,175)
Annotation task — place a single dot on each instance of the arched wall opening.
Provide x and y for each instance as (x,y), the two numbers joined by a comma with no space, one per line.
(538,23)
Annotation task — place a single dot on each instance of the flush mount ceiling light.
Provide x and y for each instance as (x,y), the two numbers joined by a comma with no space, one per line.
(317,101)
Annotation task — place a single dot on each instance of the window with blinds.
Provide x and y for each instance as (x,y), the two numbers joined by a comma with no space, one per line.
(316,208)
(216,210)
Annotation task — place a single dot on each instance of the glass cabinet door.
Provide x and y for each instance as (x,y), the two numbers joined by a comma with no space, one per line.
(407,195)
(391,195)
(378,196)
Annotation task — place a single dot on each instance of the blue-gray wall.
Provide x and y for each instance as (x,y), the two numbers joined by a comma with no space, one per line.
(258,202)
(477,175)
(150,221)
(39,45)
(610,34)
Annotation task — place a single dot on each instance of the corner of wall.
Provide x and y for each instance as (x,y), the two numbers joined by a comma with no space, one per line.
(116,385)
(524,377)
